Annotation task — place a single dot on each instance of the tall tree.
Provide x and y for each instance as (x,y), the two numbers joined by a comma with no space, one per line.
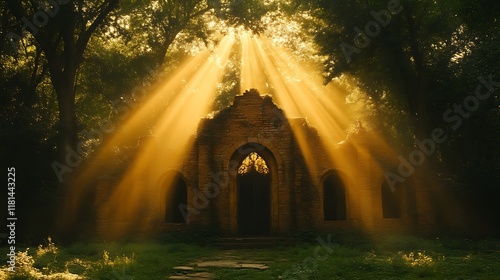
(425,58)
(62,30)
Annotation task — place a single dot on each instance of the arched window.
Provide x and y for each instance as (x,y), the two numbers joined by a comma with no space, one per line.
(334,198)
(176,196)
(253,162)
(391,201)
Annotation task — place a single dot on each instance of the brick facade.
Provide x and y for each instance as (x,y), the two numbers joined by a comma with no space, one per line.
(253,123)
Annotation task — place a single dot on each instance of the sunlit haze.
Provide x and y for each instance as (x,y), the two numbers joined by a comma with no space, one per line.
(186,96)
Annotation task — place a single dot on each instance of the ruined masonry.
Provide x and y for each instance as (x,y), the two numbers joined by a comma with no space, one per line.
(247,176)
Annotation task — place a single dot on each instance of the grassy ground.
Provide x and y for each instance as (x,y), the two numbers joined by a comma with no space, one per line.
(352,257)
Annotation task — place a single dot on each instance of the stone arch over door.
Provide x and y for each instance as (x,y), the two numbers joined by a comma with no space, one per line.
(234,163)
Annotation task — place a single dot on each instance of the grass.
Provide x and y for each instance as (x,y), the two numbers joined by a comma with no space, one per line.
(346,257)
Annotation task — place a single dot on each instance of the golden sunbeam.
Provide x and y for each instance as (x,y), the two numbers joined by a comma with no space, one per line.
(252,75)
(189,93)
(134,125)
(173,140)
(305,88)
(175,107)
(301,93)
(132,128)
(291,108)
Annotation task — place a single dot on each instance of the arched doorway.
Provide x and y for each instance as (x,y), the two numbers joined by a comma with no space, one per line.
(254,196)
(243,191)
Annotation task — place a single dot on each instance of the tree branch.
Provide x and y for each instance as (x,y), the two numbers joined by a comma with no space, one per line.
(43,41)
(85,37)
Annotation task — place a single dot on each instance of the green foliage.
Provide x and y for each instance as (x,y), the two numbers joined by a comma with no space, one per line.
(427,58)
(244,13)
(386,257)
(230,84)
(112,267)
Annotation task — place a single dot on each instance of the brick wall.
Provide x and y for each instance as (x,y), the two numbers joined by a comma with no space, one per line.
(253,123)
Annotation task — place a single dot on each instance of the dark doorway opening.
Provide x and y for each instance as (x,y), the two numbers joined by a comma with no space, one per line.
(334,200)
(254,197)
(391,201)
(176,196)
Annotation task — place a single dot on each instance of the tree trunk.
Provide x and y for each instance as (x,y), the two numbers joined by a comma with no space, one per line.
(162,51)
(67,118)
(418,98)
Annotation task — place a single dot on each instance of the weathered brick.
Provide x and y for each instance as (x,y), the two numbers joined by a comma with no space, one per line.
(253,123)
